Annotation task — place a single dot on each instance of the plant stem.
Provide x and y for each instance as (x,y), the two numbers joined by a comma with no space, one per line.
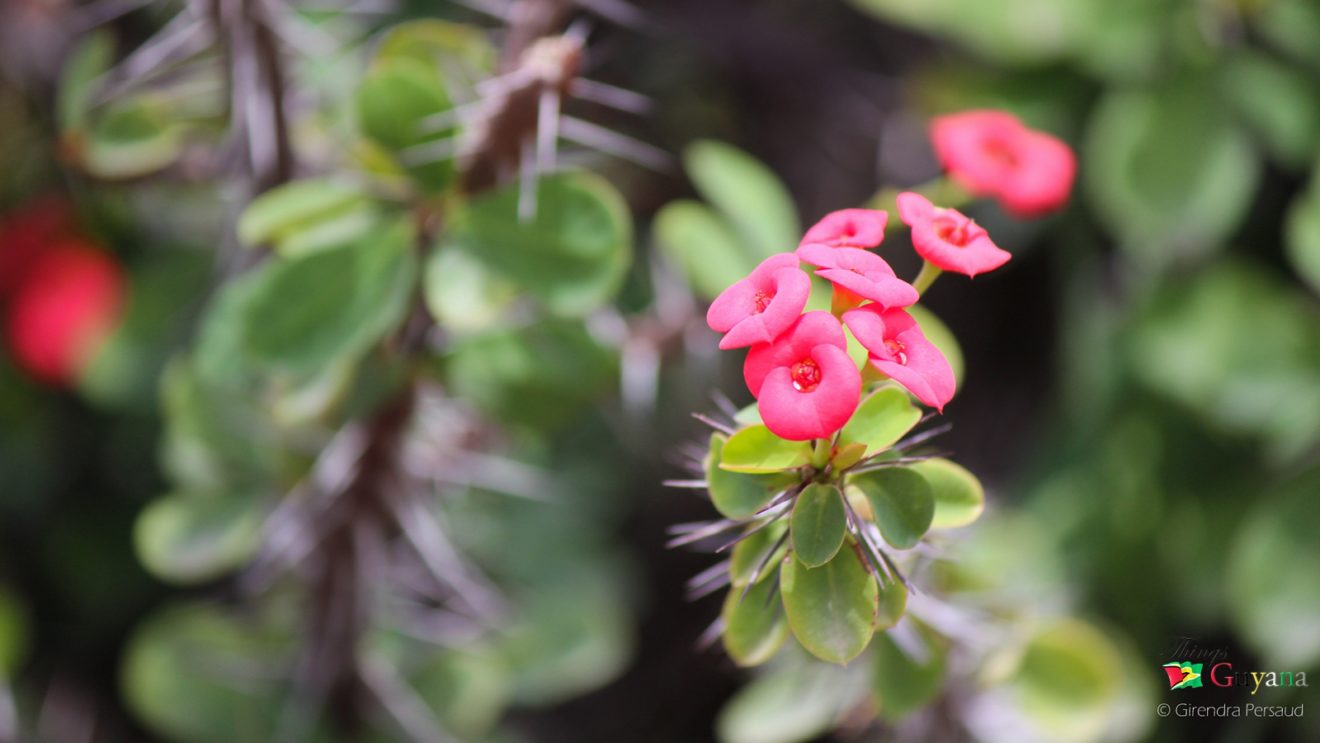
(820,456)
(929,272)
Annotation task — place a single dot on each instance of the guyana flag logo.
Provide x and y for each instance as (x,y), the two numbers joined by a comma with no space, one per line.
(1183,675)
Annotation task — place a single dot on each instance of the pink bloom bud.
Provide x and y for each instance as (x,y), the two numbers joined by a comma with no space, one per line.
(899,349)
(861,272)
(760,307)
(991,153)
(948,238)
(849,228)
(68,301)
(806,384)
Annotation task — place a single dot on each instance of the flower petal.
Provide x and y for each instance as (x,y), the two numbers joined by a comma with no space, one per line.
(790,288)
(868,275)
(802,415)
(810,330)
(1044,177)
(851,228)
(974,253)
(899,349)
(913,208)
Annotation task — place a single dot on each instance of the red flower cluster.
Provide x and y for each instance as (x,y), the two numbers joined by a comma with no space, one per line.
(798,367)
(62,294)
(992,153)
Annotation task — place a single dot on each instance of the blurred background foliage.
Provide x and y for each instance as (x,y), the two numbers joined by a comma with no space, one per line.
(1141,395)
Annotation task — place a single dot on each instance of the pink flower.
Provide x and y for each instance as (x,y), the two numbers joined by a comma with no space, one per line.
(69,301)
(763,305)
(948,238)
(848,228)
(899,349)
(861,272)
(806,384)
(991,153)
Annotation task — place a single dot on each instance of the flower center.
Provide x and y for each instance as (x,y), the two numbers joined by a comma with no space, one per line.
(952,230)
(897,350)
(1001,153)
(806,375)
(762,300)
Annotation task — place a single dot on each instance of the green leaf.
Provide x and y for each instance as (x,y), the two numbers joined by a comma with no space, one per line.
(573,255)
(748,416)
(310,311)
(461,52)
(893,603)
(847,455)
(1068,675)
(1279,102)
(756,449)
(902,683)
(959,498)
(736,495)
(133,138)
(702,246)
(394,103)
(286,211)
(882,419)
(171,680)
(1188,347)
(818,525)
(569,640)
(1272,584)
(1302,234)
(754,627)
(1291,26)
(1168,169)
(901,501)
(462,293)
(538,375)
(751,553)
(90,59)
(831,609)
(191,538)
(790,704)
(748,194)
(467,688)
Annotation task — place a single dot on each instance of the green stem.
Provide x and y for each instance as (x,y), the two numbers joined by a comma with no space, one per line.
(820,455)
(929,272)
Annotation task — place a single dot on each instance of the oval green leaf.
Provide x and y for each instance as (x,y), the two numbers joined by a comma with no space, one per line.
(901,501)
(572,255)
(190,538)
(882,419)
(755,551)
(394,103)
(754,626)
(893,603)
(831,609)
(748,193)
(756,449)
(904,683)
(702,246)
(818,525)
(736,495)
(1168,172)
(959,497)
(294,207)
(308,312)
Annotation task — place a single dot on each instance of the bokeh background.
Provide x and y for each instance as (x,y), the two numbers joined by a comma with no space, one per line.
(1142,396)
